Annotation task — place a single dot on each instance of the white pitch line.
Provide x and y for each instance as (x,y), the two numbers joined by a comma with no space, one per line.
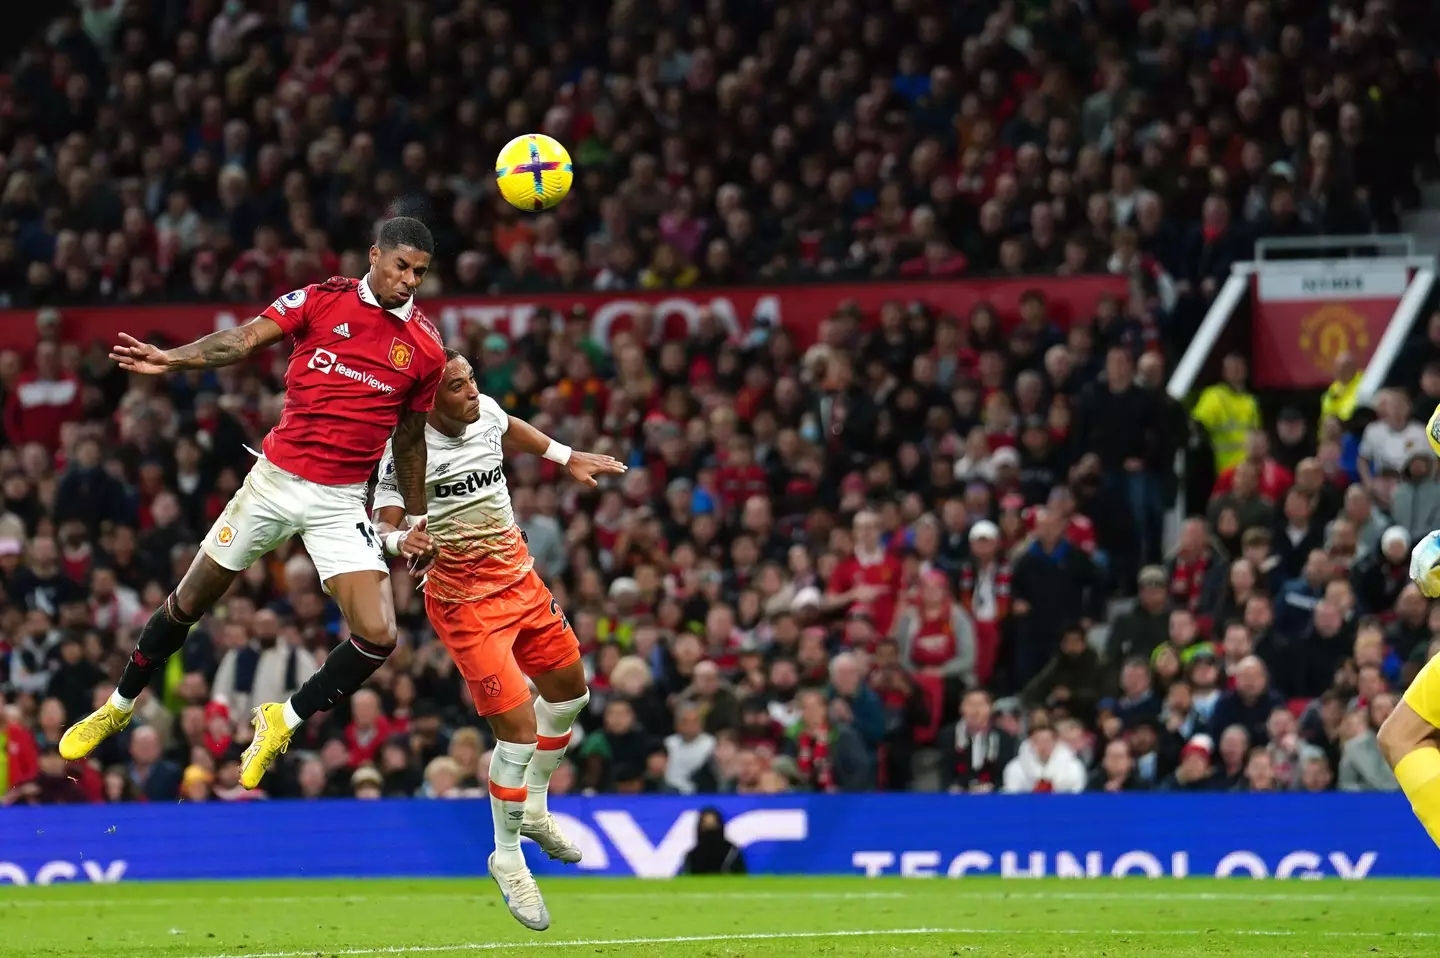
(586,943)
(789,935)
(916,888)
(18,901)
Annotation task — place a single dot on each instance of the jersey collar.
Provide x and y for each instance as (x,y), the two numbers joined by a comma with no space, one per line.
(447,441)
(367,296)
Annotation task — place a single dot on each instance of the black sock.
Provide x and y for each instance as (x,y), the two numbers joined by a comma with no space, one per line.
(161,638)
(345,670)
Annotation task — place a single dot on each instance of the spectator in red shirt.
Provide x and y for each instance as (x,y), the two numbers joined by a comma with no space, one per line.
(1195,559)
(752,396)
(985,593)
(19,757)
(1274,478)
(368,728)
(218,727)
(1079,530)
(44,399)
(267,258)
(935,633)
(740,477)
(581,390)
(869,577)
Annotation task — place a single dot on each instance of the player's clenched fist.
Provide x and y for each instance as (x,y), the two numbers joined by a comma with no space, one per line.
(416,541)
(417,546)
(585,466)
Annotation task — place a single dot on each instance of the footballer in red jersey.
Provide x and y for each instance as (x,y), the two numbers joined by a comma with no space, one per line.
(364,370)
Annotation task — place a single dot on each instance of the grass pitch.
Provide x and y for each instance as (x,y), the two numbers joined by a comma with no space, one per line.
(717,918)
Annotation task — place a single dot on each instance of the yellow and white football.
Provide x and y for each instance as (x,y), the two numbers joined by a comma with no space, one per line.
(1425,565)
(534,172)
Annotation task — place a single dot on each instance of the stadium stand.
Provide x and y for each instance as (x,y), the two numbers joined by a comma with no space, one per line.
(946,521)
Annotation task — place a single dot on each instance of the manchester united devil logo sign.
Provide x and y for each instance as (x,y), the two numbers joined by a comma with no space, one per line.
(1332,329)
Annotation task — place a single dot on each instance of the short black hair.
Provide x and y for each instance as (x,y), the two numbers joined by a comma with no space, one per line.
(452,354)
(405,231)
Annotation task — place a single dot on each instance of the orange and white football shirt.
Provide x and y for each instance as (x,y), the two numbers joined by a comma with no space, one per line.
(482,551)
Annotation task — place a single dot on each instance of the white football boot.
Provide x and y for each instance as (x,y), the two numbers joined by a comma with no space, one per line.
(546,833)
(522,895)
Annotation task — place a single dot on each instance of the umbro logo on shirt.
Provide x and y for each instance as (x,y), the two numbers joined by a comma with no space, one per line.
(342,330)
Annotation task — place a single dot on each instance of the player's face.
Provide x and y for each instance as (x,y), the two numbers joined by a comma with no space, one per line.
(396,273)
(458,398)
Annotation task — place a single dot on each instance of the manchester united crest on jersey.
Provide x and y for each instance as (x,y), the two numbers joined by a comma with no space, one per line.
(401,353)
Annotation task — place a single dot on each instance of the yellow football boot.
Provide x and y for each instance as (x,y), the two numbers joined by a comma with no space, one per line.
(271,740)
(81,738)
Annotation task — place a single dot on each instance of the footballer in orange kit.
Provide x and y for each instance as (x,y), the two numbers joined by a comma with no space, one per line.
(495,616)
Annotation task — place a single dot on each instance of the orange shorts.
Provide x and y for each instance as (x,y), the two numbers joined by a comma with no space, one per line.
(498,641)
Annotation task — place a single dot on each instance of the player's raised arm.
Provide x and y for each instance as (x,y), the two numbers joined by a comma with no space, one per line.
(520,436)
(218,349)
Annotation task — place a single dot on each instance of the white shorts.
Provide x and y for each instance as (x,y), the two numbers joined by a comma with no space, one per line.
(274,505)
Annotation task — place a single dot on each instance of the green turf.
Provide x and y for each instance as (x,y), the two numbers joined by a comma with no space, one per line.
(725,917)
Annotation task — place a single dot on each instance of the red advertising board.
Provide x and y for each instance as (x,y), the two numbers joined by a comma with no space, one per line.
(799,308)
(1308,313)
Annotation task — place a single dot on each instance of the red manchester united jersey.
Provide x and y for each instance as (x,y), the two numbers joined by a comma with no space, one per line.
(356,368)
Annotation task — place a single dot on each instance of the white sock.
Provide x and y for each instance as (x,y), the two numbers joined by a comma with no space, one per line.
(292,717)
(507,800)
(552,721)
(121,702)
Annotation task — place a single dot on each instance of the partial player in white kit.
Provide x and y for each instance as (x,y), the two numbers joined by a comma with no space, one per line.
(364,370)
(495,616)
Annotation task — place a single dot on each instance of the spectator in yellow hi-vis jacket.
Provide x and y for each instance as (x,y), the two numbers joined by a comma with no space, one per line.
(1340,396)
(1228,412)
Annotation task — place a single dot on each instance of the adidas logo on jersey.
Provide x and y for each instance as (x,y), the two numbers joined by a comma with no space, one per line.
(342,330)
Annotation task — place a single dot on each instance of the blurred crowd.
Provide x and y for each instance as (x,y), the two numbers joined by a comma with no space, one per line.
(816,577)
(238,149)
(926,552)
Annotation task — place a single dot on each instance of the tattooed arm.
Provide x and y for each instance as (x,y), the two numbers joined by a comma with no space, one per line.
(397,537)
(408,444)
(218,349)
